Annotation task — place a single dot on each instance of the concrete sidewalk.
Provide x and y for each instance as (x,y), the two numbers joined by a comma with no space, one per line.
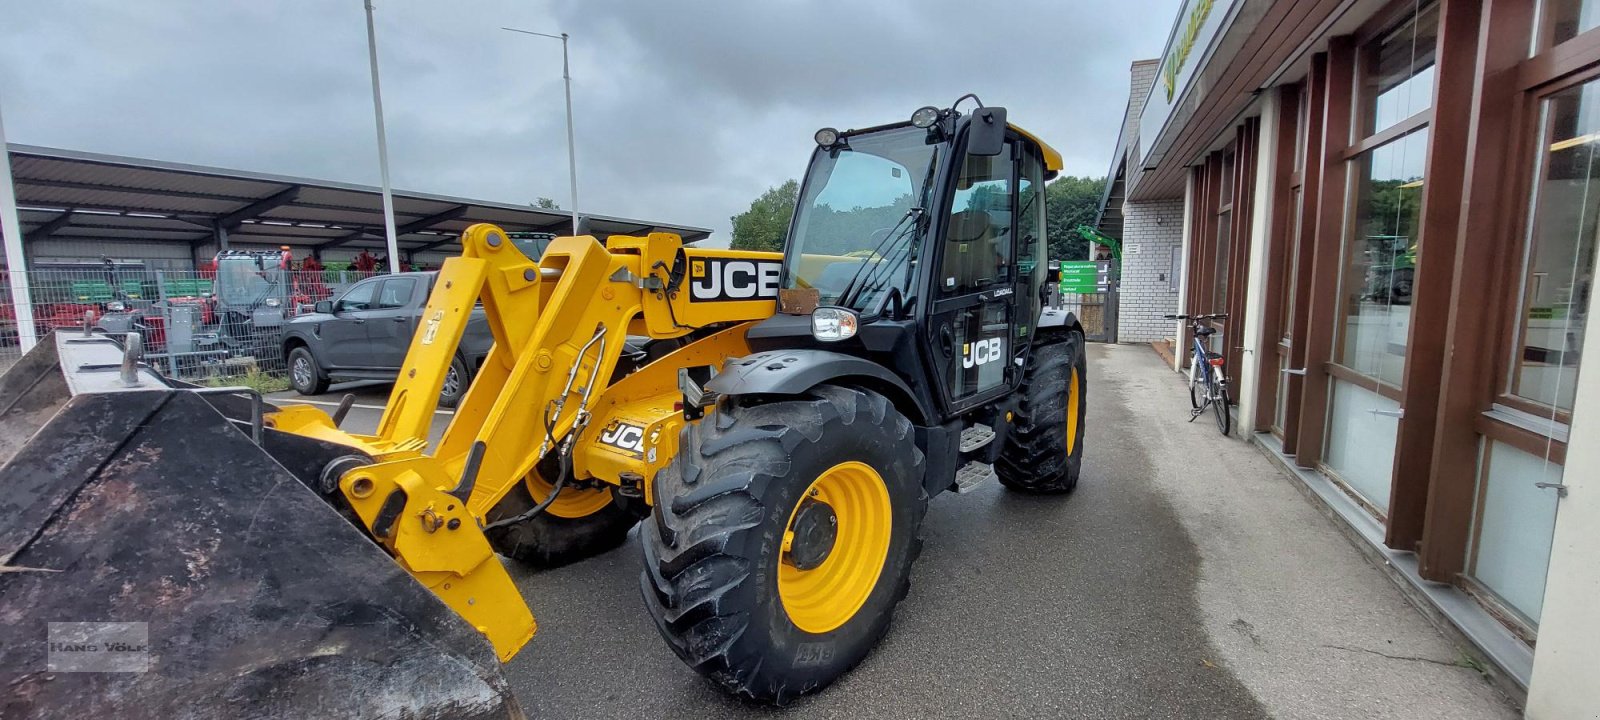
(1294,611)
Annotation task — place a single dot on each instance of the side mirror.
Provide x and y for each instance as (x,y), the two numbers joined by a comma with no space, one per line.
(986,132)
(324,306)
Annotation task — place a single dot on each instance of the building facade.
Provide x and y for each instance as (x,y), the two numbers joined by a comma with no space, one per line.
(1397,205)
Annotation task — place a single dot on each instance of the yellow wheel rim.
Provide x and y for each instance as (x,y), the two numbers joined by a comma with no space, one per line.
(1072,412)
(572,502)
(827,596)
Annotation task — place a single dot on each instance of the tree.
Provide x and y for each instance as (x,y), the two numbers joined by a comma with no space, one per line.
(544,203)
(1069,202)
(764,225)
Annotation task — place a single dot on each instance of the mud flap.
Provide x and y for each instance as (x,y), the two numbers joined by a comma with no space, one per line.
(258,599)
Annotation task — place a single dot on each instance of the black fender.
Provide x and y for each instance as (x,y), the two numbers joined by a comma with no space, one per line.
(1058,318)
(792,372)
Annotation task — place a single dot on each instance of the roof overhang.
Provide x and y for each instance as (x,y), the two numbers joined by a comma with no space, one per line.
(87,196)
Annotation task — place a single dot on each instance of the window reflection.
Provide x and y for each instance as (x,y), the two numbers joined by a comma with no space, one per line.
(1559,267)
(1381,258)
(1562,20)
(1399,77)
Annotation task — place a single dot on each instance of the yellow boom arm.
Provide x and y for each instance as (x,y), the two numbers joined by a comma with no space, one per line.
(559,327)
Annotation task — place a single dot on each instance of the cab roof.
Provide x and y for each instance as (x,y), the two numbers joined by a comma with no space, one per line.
(1052,159)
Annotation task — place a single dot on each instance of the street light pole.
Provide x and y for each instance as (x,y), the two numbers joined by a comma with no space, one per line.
(16,263)
(383,144)
(572,152)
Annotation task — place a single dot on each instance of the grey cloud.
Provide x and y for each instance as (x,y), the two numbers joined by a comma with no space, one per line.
(686,110)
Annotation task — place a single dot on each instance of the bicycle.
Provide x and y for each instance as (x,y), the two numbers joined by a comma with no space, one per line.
(1207,389)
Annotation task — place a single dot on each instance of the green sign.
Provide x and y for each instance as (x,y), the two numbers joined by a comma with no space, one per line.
(1081,276)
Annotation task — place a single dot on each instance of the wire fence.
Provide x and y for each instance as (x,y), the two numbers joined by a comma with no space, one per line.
(203,326)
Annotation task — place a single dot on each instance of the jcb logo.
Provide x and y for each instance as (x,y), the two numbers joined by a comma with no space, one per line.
(722,279)
(624,436)
(982,352)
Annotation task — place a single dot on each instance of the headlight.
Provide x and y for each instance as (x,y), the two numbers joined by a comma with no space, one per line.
(116,306)
(832,324)
(826,137)
(925,117)
(274,302)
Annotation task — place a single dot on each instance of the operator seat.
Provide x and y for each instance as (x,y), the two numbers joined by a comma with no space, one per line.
(969,253)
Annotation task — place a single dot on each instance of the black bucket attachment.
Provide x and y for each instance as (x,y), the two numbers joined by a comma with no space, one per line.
(155,561)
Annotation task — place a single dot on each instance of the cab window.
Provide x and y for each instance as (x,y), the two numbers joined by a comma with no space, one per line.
(356,298)
(977,251)
(396,292)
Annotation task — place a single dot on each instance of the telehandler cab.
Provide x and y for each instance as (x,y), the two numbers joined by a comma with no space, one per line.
(778,421)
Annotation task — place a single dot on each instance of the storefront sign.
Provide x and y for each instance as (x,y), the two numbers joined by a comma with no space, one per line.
(1082,276)
(1200,25)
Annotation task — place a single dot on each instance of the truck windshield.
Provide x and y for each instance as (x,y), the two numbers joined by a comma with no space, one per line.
(857,225)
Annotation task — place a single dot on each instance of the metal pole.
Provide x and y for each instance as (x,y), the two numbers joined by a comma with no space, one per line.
(21,298)
(572,148)
(383,144)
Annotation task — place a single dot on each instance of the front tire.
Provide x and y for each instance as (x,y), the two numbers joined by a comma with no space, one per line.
(456,381)
(1044,450)
(580,524)
(304,376)
(783,538)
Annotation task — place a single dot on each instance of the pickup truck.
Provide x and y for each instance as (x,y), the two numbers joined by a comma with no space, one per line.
(363,334)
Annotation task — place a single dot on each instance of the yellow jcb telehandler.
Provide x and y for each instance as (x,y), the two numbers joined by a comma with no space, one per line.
(778,422)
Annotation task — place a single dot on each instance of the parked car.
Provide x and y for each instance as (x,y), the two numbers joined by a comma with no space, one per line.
(363,334)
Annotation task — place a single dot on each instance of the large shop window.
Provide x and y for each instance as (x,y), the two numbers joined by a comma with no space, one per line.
(1382,241)
(1560,262)
(1398,77)
(1381,258)
(1563,20)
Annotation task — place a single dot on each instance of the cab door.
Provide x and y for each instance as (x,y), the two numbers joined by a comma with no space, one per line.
(971,328)
(344,336)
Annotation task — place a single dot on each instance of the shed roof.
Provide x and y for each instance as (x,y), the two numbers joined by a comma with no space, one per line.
(78,195)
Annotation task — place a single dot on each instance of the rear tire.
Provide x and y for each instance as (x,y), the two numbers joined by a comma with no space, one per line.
(724,591)
(1044,450)
(304,376)
(1219,405)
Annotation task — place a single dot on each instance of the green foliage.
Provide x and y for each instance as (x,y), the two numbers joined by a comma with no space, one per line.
(252,378)
(544,203)
(764,225)
(1070,202)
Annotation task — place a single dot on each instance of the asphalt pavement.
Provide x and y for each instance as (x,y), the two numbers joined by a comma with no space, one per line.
(1185,578)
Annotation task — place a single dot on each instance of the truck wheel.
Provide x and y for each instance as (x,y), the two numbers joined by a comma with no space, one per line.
(783,538)
(581,523)
(304,376)
(1044,450)
(456,381)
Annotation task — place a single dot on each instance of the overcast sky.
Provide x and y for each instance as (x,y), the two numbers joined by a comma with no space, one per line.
(686,110)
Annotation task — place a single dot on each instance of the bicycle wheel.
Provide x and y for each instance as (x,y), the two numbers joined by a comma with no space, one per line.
(1219,403)
(1195,385)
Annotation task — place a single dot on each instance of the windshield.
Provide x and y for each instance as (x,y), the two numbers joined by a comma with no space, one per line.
(243,281)
(857,225)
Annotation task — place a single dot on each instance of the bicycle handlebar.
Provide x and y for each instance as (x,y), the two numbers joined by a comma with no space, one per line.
(1197,318)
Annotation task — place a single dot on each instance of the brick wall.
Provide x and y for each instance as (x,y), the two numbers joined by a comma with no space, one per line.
(1151,231)
(1142,76)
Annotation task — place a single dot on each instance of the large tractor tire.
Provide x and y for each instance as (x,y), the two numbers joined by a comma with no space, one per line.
(581,523)
(783,537)
(1044,451)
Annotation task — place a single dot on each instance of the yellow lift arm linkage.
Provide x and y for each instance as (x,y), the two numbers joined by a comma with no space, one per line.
(559,327)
